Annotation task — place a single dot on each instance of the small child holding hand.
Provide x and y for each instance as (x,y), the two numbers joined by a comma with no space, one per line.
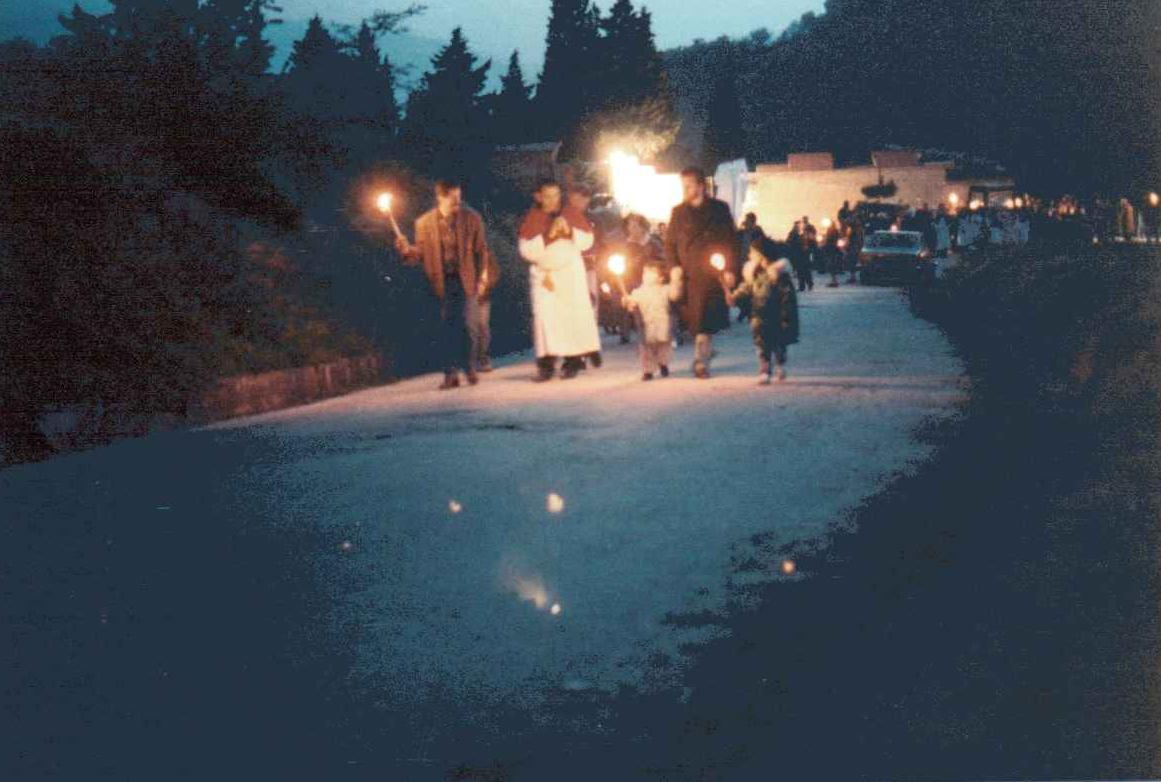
(651,303)
(774,308)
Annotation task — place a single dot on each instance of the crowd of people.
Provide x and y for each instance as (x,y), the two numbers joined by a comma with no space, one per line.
(681,280)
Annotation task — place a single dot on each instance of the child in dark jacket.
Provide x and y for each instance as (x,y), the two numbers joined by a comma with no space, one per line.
(774,309)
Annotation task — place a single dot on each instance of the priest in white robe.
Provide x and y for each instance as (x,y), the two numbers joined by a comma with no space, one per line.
(552,240)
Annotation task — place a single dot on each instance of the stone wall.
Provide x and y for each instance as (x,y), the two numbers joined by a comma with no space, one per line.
(251,394)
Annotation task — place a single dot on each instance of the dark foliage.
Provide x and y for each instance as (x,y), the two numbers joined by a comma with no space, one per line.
(1066,94)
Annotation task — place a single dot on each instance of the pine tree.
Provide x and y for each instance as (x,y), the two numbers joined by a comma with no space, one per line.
(445,130)
(632,107)
(511,107)
(254,50)
(565,91)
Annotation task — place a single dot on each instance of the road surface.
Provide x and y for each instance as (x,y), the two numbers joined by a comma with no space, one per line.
(461,564)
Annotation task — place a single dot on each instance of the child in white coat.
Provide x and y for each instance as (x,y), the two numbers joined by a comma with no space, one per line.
(651,303)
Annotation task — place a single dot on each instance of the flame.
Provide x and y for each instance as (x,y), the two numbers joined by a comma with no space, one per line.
(1154,199)
(953,199)
(617,264)
(454,506)
(605,288)
(383,202)
(555,503)
(555,610)
(639,188)
(718,261)
(788,567)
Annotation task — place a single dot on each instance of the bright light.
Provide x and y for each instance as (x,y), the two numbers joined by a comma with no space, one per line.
(974,205)
(894,229)
(383,202)
(605,288)
(1009,203)
(454,506)
(555,503)
(826,223)
(953,199)
(842,243)
(1019,203)
(718,261)
(1154,199)
(617,264)
(346,545)
(555,610)
(639,188)
(788,567)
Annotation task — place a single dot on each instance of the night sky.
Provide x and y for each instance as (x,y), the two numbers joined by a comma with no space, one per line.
(493,27)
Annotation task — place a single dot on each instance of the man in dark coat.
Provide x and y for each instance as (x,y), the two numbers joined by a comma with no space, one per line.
(452,247)
(699,228)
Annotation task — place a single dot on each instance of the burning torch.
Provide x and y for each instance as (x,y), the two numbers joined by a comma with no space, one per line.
(383,202)
(617,267)
(718,261)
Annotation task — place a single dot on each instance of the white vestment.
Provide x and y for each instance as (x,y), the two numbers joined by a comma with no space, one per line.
(563,323)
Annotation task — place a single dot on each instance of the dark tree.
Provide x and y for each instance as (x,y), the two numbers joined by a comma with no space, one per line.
(511,107)
(567,83)
(631,106)
(445,130)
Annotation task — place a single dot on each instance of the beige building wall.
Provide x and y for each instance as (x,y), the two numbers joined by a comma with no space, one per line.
(780,195)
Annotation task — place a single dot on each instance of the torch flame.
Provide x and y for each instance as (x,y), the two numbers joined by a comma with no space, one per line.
(617,264)
(718,261)
(1154,199)
(383,202)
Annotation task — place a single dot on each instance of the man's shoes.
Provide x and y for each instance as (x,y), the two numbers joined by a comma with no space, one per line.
(541,377)
(485,366)
(647,376)
(764,379)
(450,380)
(473,378)
(701,371)
(596,360)
(664,370)
(780,373)
(568,372)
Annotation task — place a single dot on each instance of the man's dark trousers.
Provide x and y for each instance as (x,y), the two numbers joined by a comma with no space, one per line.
(457,312)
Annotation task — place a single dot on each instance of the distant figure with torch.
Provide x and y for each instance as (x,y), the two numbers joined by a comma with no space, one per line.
(701,228)
(452,247)
(552,240)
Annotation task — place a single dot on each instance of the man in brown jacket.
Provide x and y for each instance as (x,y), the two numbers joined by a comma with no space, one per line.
(451,245)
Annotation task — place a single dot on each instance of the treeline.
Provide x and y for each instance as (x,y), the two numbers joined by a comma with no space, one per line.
(1066,94)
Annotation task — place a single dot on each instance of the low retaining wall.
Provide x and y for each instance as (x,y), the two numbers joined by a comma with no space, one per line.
(241,395)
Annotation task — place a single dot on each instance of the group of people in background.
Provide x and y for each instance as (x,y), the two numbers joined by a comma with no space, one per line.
(683,277)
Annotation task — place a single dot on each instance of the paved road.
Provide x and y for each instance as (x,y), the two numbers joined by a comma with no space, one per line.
(403,579)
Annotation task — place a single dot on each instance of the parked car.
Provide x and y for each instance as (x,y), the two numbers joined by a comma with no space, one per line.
(896,256)
(876,216)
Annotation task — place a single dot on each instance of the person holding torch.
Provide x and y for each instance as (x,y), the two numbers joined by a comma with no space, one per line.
(701,231)
(451,245)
